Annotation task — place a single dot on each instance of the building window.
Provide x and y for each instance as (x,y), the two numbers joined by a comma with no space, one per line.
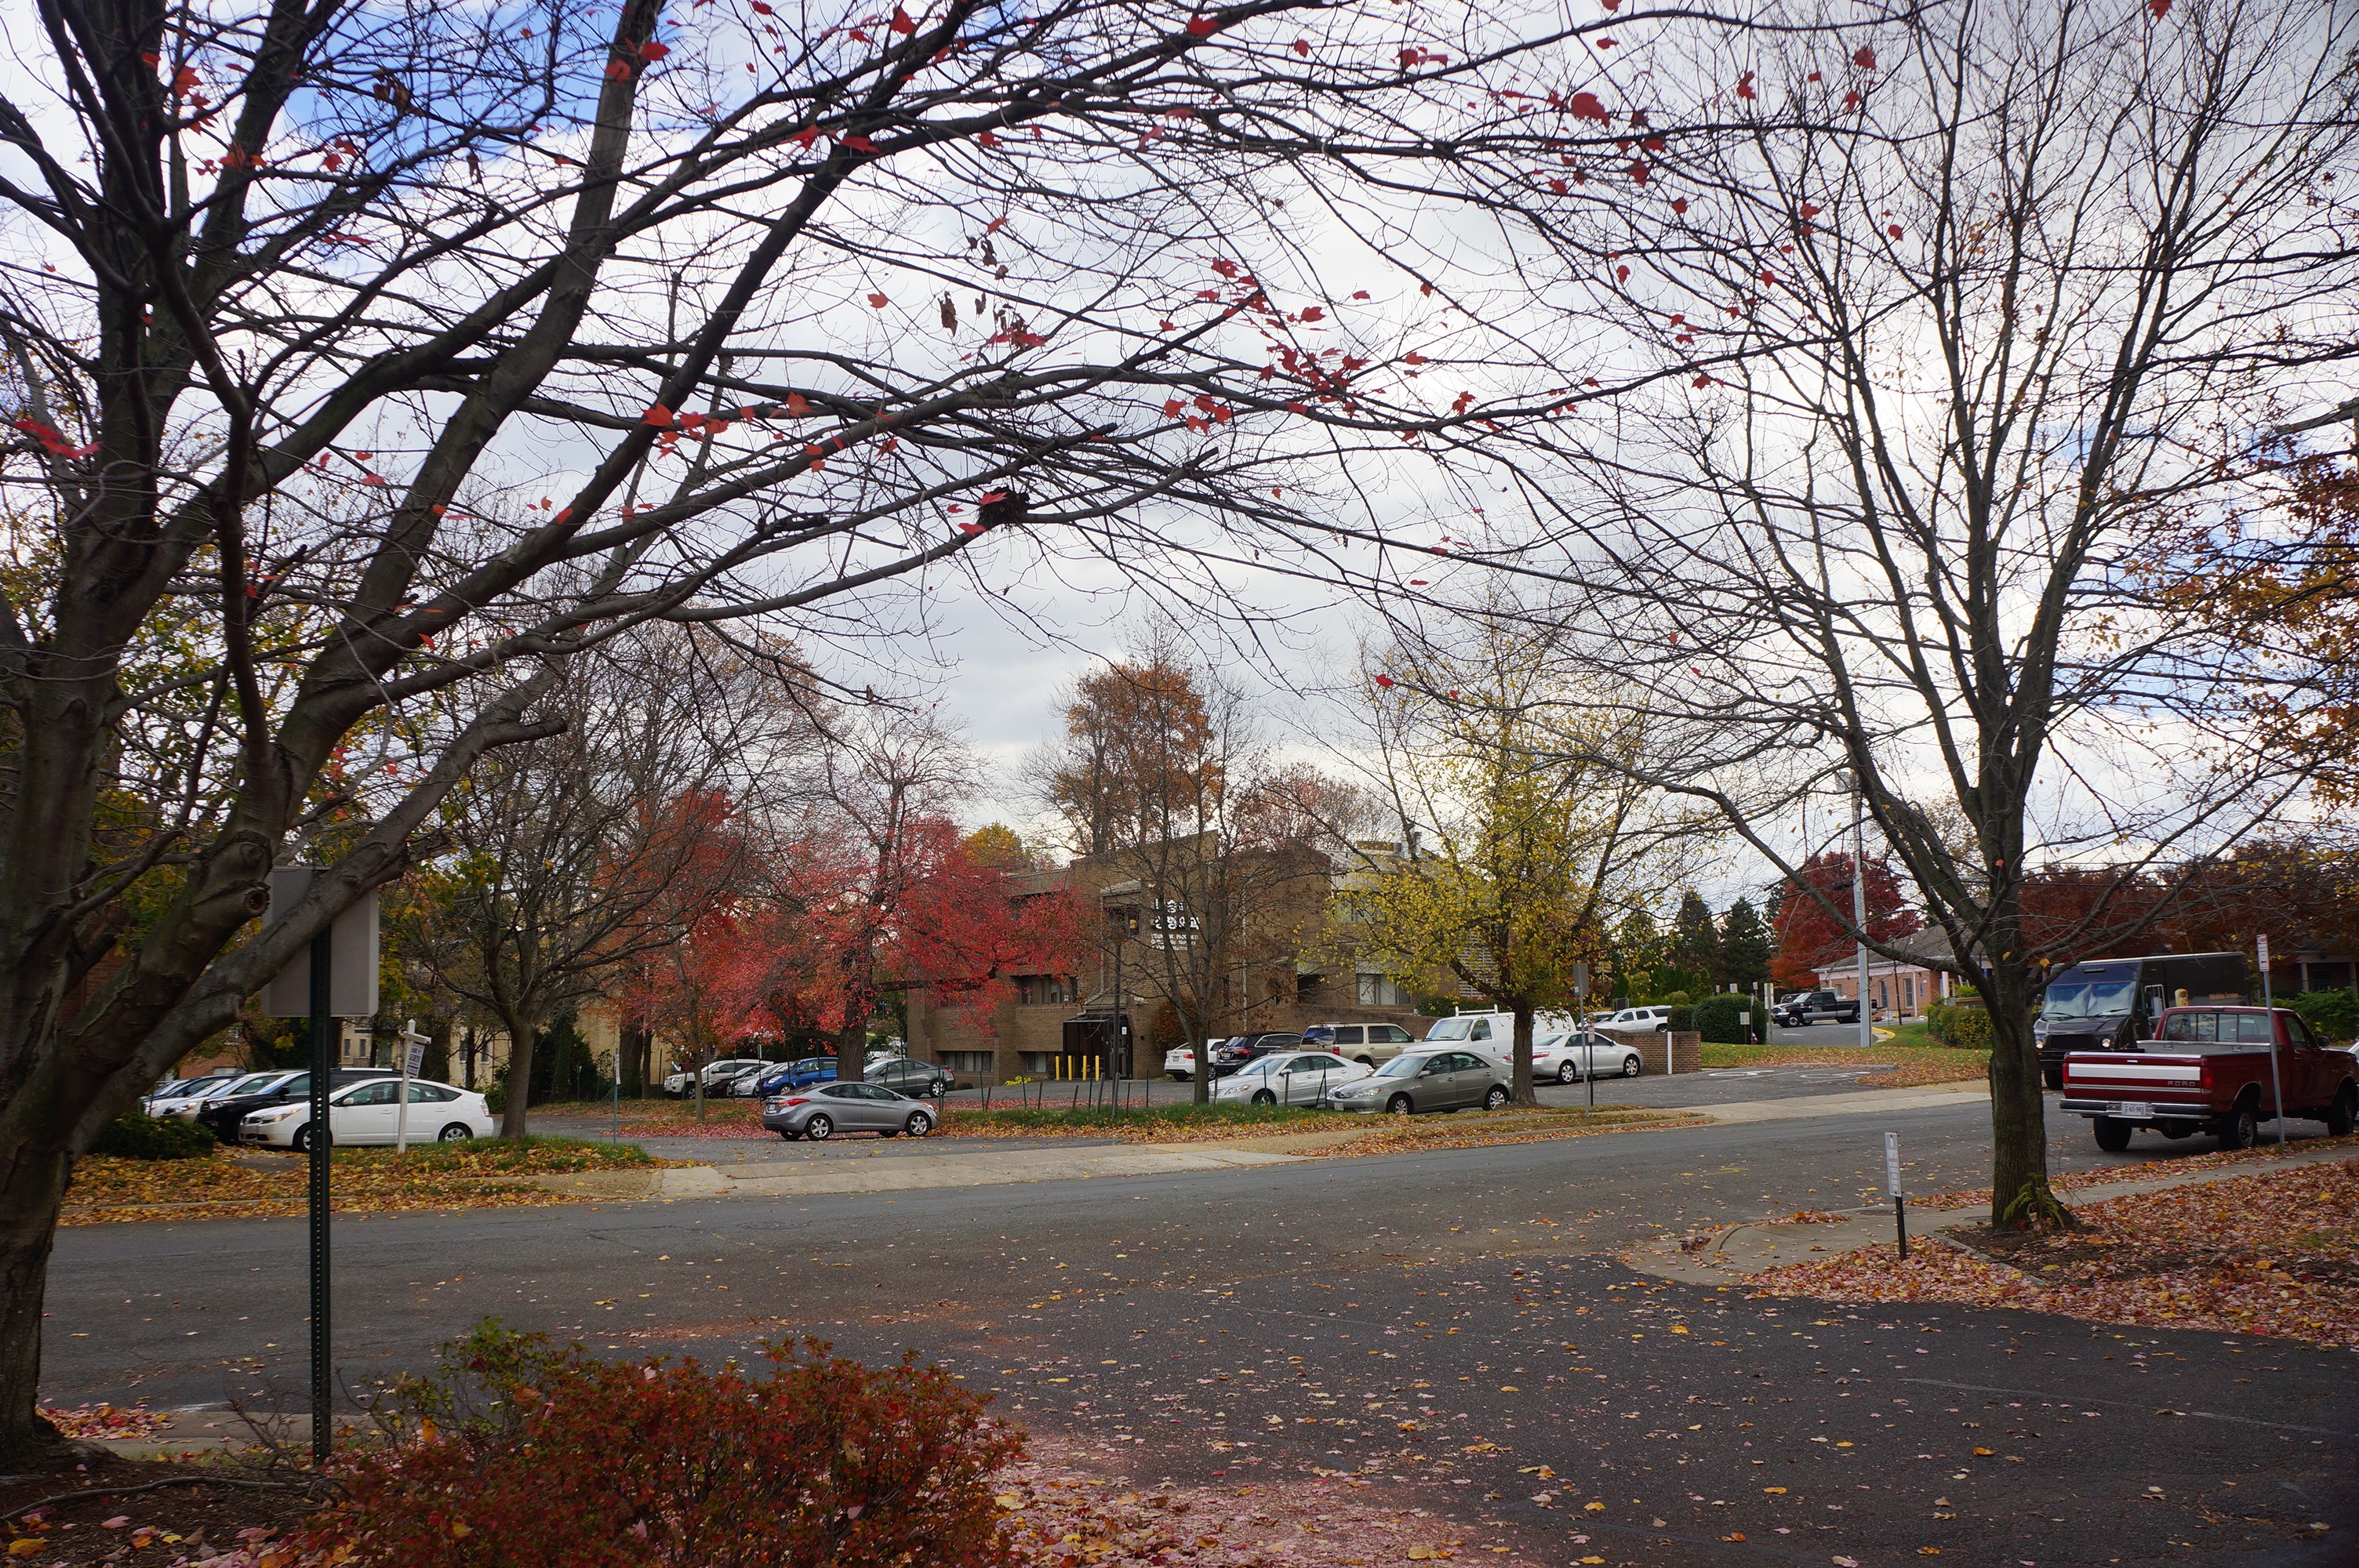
(1045,990)
(969,1063)
(1381,991)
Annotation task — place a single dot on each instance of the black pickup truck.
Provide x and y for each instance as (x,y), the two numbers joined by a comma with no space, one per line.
(1816,1007)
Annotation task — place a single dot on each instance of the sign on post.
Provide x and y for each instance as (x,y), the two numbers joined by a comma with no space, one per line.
(351,962)
(1892,1185)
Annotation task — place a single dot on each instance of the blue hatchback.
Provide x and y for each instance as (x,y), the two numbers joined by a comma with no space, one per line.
(799,1074)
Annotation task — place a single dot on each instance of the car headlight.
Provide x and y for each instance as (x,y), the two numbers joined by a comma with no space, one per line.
(268,1116)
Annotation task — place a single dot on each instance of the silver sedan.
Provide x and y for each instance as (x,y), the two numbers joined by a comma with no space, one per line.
(822,1110)
(1287,1075)
(1427,1079)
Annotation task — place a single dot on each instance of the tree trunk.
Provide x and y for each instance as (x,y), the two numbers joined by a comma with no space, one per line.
(32,1185)
(852,1047)
(1200,1086)
(1522,1055)
(520,1029)
(2019,1189)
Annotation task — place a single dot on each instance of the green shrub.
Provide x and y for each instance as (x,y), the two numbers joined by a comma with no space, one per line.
(2333,1013)
(1716,1019)
(1952,1023)
(1675,998)
(1681,1020)
(138,1136)
(521,1454)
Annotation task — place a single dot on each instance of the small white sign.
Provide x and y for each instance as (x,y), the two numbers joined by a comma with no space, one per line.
(413,1059)
(1746,1018)
(2265,953)
(1891,1162)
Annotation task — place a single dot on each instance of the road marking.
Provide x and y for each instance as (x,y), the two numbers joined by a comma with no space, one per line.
(2129,1404)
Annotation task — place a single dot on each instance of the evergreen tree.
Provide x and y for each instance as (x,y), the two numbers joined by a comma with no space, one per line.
(1743,945)
(1695,941)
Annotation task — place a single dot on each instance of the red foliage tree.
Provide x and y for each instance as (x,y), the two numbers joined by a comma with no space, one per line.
(1809,937)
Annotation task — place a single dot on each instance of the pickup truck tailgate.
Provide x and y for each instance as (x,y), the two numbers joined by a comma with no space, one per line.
(2133,1086)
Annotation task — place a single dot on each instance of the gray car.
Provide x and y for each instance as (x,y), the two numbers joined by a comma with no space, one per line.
(822,1110)
(1428,1080)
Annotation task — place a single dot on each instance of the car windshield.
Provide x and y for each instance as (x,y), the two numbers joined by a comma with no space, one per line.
(2091,998)
(1402,1066)
(1449,1029)
(254,1083)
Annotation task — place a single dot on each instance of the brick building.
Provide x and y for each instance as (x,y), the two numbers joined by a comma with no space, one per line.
(1241,941)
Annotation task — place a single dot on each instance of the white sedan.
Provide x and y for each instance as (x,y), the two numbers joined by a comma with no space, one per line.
(371,1113)
(1293,1078)
(1569,1058)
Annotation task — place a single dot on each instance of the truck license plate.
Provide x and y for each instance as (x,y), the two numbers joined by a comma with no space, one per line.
(2134,1110)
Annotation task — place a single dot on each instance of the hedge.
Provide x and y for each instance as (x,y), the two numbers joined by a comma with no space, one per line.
(138,1136)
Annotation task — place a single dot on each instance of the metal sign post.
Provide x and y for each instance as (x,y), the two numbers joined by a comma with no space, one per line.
(2269,1002)
(1588,1039)
(1892,1183)
(324,1065)
(335,977)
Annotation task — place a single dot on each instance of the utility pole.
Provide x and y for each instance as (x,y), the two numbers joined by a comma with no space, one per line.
(1859,899)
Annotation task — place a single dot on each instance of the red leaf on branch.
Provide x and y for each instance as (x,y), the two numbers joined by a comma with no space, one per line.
(858,142)
(760,9)
(1744,86)
(987,139)
(1171,408)
(1417,582)
(2158,8)
(1893,228)
(1679,204)
(1851,100)
(796,404)
(1386,682)
(1639,172)
(901,23)
(878,301)
(970,529)
(1586,106)
(1203,27)
(1865,59)
(652,51)
(618,71)
(1302,48)
(1621,274)
(657,415)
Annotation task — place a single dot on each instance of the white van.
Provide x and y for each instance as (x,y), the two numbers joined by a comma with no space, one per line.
(1494,1033)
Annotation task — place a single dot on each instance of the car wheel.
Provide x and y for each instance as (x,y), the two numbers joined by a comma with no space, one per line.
(457,1132)
(919,1124)
(819,1128)
(2342,1116)
(790,1134)
(939,1088)
(301,1143)
(1263,1097)
(2238,1128)
(1631,1066)
(1498,1097)
(2053,1077)
(888,1132)
(1401,1105)
(1565,1073)
(2113,1134)
(1367,1062)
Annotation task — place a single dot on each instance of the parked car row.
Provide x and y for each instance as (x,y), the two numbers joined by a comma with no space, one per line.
(751,1078)
(1561,1052)
(272,1109)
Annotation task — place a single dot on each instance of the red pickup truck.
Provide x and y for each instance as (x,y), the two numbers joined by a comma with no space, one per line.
(2209,1066)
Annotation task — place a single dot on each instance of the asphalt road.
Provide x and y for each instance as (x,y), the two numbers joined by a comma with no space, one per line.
(1459,1319)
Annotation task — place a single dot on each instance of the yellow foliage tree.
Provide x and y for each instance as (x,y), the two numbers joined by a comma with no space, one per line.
(1521,842)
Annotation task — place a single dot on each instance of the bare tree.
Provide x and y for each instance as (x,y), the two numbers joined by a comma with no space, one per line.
(357,355)
(572,856)
(1922,348)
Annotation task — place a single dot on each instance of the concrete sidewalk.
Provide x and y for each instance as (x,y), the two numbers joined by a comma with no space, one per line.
(865,1173)
(1738,1251)
(1860,1102)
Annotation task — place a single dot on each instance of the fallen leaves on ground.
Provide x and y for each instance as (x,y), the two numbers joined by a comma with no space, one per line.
(1903,1066)
(1180,1123)
(102,1421)
(1065,1513)
(247,1183)
(2274,1254)
(1399,1135)
(2108,1175)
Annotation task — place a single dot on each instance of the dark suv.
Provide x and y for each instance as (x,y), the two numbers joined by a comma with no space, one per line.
(223,1115)
(1246,1048)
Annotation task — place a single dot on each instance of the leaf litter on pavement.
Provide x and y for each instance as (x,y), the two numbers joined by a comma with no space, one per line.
(2274,1254)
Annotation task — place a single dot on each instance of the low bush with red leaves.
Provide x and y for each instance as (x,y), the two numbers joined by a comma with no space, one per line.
(525,1454)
